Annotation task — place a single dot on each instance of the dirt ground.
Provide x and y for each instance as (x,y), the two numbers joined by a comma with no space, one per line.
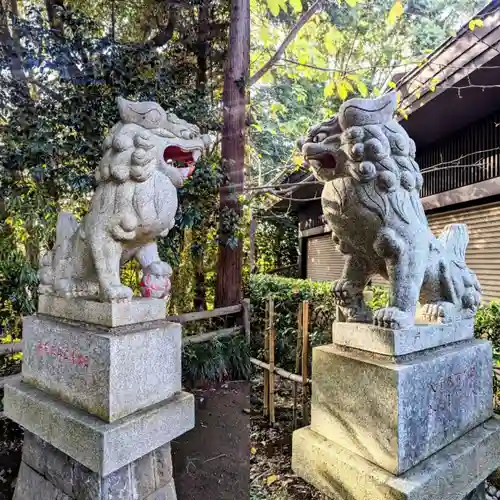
(11,442)
(271,477)
(211,462)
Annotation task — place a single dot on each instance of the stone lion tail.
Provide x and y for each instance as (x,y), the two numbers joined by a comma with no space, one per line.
(455,238)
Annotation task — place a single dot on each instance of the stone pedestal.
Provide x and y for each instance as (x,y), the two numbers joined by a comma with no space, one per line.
(400,415)
(100,405)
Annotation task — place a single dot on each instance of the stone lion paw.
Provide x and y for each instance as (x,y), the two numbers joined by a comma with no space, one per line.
(117,293)
(392,317)
(438,312)
(343,291)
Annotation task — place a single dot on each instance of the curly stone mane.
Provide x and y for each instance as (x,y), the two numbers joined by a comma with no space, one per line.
(371,202)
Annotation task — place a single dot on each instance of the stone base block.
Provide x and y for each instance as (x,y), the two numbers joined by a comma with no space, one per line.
(396,413)
(102,447)
(47,473)
(451,474)
(368,337)
(112,314)
(110,373)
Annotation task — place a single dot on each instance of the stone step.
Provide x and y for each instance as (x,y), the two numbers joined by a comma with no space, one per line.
(397,412)
(48,473)
(102,447)
(108,372)
(454,473)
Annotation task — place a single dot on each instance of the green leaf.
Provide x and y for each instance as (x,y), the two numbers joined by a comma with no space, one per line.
(360,85)
(396,12)
(351,3)
(475,23)
(433,84)
(274,6)
(296,5)
(391,84)
(362,88)
(343,89)
(332,36)
(329,89)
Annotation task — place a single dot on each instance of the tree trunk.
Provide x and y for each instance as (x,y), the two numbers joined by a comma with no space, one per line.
(253,229)
(203,37)
(197,254)
(12,52)
(229,279)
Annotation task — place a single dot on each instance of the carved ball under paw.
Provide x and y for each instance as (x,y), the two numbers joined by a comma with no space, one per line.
(155,282)
(392,317)
(117,293)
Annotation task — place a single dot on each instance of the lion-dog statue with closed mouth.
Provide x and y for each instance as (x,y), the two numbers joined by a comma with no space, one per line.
(135,202)
(371,202)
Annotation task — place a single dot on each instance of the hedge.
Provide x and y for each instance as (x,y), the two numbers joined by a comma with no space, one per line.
(288,293)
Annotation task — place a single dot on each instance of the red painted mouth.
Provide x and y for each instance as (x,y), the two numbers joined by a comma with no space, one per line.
(179,155)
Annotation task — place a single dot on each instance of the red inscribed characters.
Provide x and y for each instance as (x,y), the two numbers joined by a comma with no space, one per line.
(75,358)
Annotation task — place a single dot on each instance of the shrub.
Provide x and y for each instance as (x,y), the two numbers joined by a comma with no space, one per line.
(487,326)
(215,361)
(288,293)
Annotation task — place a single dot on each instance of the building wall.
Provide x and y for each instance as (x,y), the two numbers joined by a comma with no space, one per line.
(483,251)
(325,262)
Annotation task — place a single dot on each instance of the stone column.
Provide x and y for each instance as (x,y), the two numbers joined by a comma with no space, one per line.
(100,400)
(400,415)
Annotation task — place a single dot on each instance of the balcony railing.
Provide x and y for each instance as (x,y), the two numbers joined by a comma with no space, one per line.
(468,157)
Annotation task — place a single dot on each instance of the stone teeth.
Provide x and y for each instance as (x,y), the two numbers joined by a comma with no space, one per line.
(196,155)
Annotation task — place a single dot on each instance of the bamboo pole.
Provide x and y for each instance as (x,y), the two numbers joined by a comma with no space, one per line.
(305,361)
(279,371)
(298,349)
(266,359)
(205,337)
(246,319)
(272,342)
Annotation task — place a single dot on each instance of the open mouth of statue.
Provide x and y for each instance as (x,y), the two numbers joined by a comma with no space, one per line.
(323,160)
(318,155)
(185,158)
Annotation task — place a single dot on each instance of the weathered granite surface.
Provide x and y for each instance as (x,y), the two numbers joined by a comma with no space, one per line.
(109,373)
(396,414)
(47,473)
(134,204)
(112,314)
(100,446)
(372,205)
(397,342)
(446,475)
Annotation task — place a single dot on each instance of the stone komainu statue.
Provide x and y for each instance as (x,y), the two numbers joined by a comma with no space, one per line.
(371,202)
(135,202)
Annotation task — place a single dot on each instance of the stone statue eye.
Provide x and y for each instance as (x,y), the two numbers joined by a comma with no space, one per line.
(320,137)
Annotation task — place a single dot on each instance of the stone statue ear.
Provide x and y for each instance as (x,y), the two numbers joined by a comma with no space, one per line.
(147,114)
(361,112)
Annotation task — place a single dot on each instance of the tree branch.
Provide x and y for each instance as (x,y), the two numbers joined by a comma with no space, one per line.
(54,8)
(167,31)
(304,18)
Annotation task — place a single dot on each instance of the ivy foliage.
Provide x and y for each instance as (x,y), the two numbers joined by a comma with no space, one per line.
(58,90)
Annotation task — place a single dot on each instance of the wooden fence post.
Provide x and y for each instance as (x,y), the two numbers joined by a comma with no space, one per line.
(245,304)
(272,346)
(266,359)
(298,351)
(305,361)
